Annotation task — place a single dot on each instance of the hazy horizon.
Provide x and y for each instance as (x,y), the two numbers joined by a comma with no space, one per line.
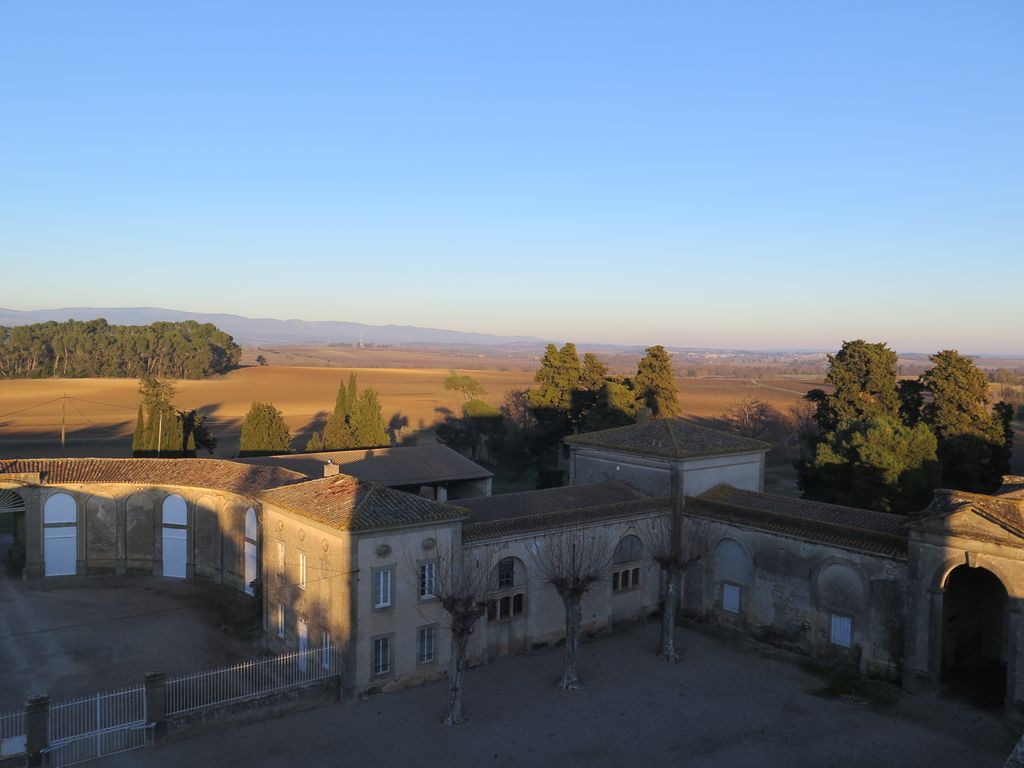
(731,176)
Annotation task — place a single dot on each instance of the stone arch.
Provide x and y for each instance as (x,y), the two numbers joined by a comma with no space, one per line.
(208,549)
(839,586)
(629,550)
(140,523)
(732,569)
(60,535)
(12,503)
(174,536)
(975,650)
(506,616)
(100,528)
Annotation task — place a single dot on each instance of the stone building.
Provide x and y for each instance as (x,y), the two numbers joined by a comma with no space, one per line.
(932,599)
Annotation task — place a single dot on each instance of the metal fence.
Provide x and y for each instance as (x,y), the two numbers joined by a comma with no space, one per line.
(251,679)
(92,726)
(12,733)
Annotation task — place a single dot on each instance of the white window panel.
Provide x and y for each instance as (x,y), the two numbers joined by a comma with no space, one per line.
(842,630)
(730,598)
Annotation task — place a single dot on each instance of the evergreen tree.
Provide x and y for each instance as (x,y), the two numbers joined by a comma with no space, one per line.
(655,384)
(973,445)
(264,431)
(863,376)
(369,429)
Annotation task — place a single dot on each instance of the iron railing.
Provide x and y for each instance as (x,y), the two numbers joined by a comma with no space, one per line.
(101,724)
(12,733)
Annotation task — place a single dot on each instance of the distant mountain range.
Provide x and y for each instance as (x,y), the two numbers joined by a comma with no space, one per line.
(252,331)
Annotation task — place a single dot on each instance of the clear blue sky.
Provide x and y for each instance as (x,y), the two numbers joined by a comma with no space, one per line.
(717,173)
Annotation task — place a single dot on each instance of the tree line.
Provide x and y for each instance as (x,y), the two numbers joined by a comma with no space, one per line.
(884,443)
(572,395)
(163,430)
(76,349)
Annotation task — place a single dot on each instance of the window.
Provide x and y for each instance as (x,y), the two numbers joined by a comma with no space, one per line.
(426,639)
(627,578)
(325,650)
(280,619)
(428,579)
(731,598)
(629,550)
(511,600)
(506,573)
(381,655)
(302,570)
(842,630)
(382,588)
(280,559)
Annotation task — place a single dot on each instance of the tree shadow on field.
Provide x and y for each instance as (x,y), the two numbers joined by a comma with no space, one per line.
(305,433)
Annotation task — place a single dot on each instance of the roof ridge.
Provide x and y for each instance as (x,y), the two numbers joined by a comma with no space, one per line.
(673,437)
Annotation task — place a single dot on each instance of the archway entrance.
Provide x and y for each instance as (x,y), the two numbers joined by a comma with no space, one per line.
(973,636)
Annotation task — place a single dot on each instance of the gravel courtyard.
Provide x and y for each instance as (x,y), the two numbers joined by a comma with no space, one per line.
(725,704)
(78,635)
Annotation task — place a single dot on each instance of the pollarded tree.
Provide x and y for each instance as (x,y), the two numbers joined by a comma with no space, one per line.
(573,561)
(675,544)
(655,384)
(264,431)
(973,445)
(460,585)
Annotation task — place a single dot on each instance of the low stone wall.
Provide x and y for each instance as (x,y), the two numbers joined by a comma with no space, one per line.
(314,695)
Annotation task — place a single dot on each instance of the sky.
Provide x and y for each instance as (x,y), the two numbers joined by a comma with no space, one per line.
(721,174)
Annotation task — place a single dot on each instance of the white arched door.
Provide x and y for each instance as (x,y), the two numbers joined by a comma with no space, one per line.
(60,535)
(175,536)
(252,543)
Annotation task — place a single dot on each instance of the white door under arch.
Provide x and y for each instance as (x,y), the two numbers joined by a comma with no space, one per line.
(175,536)
(252,540)
(60,535)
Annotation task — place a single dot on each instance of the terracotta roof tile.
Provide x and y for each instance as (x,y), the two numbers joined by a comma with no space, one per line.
(668,438)
(832,524)
(404,465)
(349,504)
(190,473)
(518,514)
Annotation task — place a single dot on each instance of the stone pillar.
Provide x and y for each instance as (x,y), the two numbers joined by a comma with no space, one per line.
(37,729)
(156,707)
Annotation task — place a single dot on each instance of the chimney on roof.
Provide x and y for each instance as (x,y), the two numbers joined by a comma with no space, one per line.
(330,468)
(644,415)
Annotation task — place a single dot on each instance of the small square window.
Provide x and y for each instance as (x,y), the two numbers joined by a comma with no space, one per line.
(381,655)
(426,640)
(731,598)
(842,630)
(382,588)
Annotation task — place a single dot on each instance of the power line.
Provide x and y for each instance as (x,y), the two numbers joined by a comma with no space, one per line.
(29,408)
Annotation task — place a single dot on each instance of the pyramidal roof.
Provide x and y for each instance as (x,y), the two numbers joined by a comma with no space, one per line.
(670,439)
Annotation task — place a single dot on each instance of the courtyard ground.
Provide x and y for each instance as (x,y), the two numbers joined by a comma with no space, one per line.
(77,635)
(728,703)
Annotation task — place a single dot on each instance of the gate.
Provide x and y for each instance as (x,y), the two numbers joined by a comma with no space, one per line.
(93,726)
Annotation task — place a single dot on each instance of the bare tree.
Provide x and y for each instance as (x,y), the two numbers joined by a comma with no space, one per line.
(751,417)
(675,544)
(572,562)
(459,582)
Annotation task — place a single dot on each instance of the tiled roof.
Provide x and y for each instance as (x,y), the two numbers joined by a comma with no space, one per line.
(405,465)
(350,504)
(516,514)
(832,524)
(668,438)
(190,473)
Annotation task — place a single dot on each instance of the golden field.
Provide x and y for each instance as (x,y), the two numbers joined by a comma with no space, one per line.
(100,413)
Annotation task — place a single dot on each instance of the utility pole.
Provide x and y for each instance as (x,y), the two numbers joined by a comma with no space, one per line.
(159,433)
(63,411)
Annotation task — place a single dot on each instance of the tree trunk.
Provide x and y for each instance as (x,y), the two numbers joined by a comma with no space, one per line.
(573,620)
(668,615)
(456,665)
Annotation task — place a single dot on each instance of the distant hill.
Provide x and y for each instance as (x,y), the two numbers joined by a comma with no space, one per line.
(250,331)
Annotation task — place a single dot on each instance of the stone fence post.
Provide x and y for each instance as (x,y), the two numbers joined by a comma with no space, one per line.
(156,707)
(37,730)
